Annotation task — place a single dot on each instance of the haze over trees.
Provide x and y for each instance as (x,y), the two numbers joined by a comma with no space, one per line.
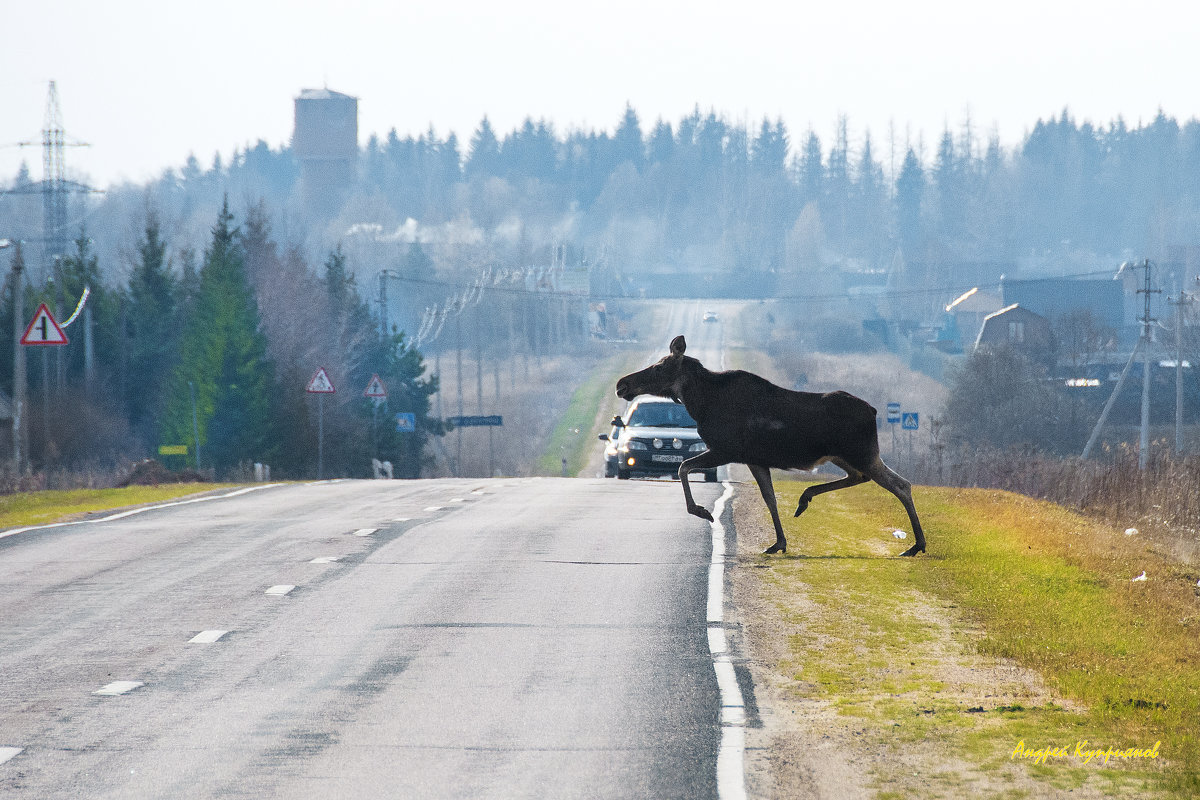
(188,300)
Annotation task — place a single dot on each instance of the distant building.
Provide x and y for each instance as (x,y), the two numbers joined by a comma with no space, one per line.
(325,145)
(1053,298)
(1020,329)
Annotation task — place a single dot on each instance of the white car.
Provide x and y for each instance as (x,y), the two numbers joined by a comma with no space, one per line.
(653,438)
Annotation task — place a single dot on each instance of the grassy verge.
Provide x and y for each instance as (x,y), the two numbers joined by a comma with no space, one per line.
(1021,631)
(575,434)
(36,508)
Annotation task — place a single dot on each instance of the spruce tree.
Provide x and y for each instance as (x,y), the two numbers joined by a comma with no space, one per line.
(222,353)
(151,328)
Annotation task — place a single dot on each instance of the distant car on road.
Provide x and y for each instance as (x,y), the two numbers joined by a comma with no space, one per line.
(653,439)
(710,316)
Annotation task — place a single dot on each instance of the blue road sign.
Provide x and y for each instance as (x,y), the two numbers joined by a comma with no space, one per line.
(475,422)
(911,421)
(893,412)
(406,422)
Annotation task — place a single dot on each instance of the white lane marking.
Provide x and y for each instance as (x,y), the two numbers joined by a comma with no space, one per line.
(207,637)
(434,508)
(365,531)
(401,519)
(456,500)
(15,531)
(9,753)
(118,687)
(326,560)
(280,590)
(731,770)
(144,509)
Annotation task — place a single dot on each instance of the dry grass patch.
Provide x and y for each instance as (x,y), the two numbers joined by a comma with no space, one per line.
(1022,624)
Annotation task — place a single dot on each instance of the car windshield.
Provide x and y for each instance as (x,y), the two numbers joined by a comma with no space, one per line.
(661,415)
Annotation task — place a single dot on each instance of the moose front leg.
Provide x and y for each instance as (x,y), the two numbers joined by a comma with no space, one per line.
(706,460)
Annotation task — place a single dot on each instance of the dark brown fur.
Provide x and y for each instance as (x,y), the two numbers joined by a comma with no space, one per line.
(746,419)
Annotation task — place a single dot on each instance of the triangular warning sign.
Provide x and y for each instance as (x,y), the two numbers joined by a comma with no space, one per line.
(43,329)
(320,383)
(375,388)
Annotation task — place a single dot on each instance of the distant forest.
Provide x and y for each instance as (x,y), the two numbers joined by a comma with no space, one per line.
(708,195)
(703,197)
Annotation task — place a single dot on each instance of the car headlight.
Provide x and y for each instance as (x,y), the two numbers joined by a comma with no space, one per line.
(698,447)
(625,448)
(677,444)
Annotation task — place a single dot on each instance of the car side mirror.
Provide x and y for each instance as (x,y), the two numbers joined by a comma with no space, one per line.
(603,437)
(617,422)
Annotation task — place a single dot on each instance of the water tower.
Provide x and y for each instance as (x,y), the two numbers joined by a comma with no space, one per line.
(325,145)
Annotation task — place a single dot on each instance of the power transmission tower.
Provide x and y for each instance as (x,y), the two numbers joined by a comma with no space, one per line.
(54,187)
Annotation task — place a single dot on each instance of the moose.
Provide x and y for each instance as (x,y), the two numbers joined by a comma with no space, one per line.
(746,419)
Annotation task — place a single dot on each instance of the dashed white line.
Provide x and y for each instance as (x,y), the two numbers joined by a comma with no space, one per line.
(434,508)
(118,687)
(401,519)
(456,500)
(365,531)
(207,637)
(326,560)
(9,753)
(731,772)
(280,590)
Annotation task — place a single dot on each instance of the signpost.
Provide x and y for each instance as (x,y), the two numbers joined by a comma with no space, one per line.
(893,416)
(378,394)
(910,422)
(320,385)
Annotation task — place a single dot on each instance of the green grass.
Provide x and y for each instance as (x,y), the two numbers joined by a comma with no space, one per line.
(36,508)
(1005,577)
(574,436)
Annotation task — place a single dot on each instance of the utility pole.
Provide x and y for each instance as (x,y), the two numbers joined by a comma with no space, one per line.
(1184,299)
(18,420)
(1147,321)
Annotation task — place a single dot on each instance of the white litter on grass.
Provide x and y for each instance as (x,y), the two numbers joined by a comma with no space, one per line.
(1131,531)
(1141,577)
(899,534)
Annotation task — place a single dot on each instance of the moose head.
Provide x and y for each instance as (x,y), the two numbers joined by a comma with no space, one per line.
(661,379)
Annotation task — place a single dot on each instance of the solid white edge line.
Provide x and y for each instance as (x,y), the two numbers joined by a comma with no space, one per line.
(731,769)
(133,511)
(9,753)
(118,687)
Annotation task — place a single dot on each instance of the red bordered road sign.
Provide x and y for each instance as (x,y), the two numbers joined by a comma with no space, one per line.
(320,383)
(375,388)
(43,329)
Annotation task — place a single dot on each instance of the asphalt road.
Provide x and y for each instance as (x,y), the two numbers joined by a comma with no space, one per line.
(481,638)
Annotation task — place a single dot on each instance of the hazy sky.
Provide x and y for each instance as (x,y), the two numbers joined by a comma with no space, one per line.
(147,82)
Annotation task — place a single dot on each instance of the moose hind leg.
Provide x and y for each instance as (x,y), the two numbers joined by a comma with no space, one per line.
(763,476)
(887,478)
(853,478)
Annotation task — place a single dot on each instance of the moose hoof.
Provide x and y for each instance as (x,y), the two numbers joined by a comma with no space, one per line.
(800,508)
(701,512)
(912,551)
(776,548)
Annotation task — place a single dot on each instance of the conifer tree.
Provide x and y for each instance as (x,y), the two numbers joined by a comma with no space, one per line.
(223,356)
(151,327)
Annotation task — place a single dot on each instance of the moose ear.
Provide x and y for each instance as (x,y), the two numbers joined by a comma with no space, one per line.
(678,345)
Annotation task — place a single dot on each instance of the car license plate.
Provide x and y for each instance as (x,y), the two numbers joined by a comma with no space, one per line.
(668,459)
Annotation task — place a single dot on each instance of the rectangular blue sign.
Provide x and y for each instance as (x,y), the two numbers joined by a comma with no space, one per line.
(911,421)
(406,422)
